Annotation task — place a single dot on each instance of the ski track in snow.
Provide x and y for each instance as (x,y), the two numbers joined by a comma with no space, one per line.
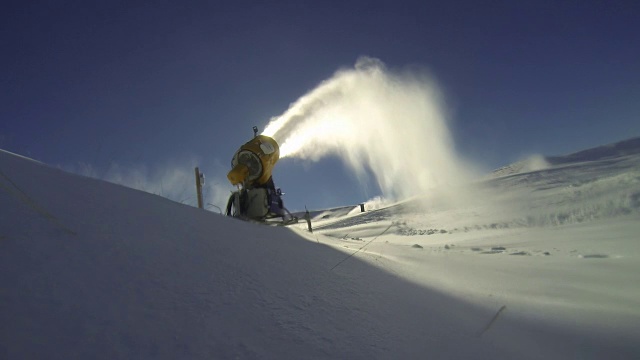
(534,264)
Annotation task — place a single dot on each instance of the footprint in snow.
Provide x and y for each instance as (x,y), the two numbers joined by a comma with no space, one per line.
(521,253)
(495,250)
(593,256)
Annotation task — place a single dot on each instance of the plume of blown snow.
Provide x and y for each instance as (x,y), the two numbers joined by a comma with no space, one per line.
(535,162)
(173,180)
(388,124)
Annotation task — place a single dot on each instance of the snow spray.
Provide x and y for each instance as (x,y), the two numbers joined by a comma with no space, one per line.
(388,124)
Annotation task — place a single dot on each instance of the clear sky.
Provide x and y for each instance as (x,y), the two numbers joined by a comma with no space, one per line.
(120,86)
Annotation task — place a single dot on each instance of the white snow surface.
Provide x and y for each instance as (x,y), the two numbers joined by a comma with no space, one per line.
(538,264)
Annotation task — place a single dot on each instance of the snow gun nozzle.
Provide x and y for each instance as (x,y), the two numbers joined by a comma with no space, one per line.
(238,174)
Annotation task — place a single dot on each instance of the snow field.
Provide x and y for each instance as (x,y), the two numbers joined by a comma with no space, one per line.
(539,264)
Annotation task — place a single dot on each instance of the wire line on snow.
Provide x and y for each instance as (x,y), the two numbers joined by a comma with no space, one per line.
(22,196)
(362,247)
(495,317)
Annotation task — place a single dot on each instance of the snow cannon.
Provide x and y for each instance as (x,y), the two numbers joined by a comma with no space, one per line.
(253,163)
(257,198)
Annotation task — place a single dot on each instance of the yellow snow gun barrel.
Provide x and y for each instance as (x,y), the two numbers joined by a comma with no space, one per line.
(253,163)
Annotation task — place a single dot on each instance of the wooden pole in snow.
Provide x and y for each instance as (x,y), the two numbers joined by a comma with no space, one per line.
(307,217)
(199,188)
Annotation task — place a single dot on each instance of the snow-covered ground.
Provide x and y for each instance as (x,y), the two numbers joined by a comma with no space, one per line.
(538,261)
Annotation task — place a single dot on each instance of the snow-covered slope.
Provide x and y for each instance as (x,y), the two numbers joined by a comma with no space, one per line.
(620,149)
(539,265)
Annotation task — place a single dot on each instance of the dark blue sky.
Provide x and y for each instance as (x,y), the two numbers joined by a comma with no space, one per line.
(140,82)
